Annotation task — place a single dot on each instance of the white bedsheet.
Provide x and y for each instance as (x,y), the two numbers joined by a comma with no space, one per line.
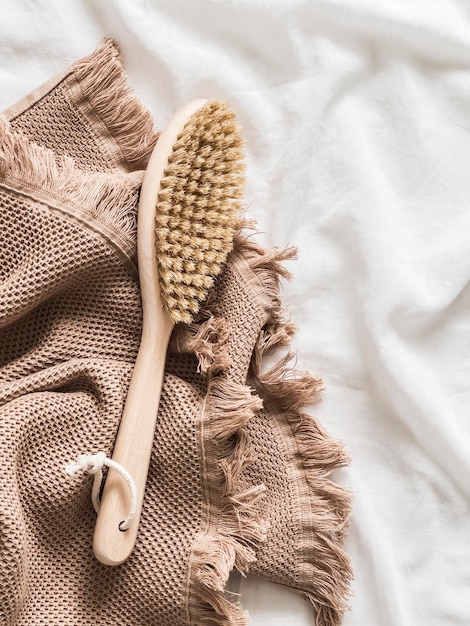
(357,115)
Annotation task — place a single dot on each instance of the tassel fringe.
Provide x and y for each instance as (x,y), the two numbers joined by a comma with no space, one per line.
(207,338)
(127,120)
(106,201)
(329,565)
(291,389)
(234,528)
(288,390)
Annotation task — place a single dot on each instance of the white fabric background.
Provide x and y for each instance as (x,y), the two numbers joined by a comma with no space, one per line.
(357,119)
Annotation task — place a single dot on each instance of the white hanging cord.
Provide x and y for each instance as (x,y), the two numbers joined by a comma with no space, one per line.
(93,464)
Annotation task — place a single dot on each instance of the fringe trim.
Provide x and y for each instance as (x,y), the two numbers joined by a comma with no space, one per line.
(207,338)
(234,528)
(288,390)
(327,579)
(267,266)
(107,201)
(129,123)
(291,389)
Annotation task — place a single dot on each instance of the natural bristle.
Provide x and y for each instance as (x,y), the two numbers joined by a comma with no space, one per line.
(198,207)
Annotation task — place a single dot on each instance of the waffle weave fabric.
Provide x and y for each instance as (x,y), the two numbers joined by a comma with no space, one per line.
(238,475)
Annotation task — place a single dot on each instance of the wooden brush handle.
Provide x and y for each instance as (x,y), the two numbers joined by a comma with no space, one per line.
(133,448)
(134,442)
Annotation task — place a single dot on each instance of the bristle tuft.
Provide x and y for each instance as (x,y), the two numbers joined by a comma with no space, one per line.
(198,208)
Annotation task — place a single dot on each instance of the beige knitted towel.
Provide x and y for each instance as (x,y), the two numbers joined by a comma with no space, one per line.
(238,475)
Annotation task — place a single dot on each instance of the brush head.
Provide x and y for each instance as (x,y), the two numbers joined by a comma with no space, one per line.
(198,208)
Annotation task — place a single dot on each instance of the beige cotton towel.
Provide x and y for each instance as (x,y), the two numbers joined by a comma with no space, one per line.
(238,475)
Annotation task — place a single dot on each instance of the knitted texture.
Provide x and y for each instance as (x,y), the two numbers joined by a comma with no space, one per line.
(290,454)
(238,475)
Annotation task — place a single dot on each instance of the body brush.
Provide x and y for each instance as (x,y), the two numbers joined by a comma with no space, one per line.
(188,211)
